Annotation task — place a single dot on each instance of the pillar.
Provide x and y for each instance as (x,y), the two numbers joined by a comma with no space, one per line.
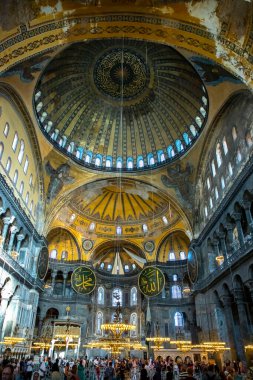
(223,244)
(246,206)
(13,230)
(249,284)
(230,238)
(244,324)
(20,238)
(53,280)
(7,221)
(226,300)
(65,276)
(237,217)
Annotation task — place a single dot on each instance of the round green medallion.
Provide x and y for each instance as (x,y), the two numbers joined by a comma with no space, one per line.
(83,280)
(151,281)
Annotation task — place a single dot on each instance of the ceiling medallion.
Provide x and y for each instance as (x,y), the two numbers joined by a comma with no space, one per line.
(121,74)
(149,246)
(87,245)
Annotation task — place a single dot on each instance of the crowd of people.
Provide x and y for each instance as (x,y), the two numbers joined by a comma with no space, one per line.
(119,369)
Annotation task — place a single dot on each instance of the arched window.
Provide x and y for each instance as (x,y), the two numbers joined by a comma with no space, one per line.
(133,321)
(176,291)
(133,299)
(64,255)
(140,162)
(206,212)
(198,121)
(172,256)
(238,156)
(225,145)
(26,165)
(31,207)
(165,220)
(222,183)
(126,268)
(1,150)
(118,230)
(203,111)
(130,163)
(119,163)
(179,145)
(213,169)
(234,133)
(193,130)
(145,228)
(21,189)
(21,151)
(211,202)
(208,183)
(8,165)
(230,169)
(101,295)
(99,322)
(15,177)
(218,155)
(27,198)
(174,277)
(248,139)
(116,297)
(92,226)
(79,153)
(161,156)
(15,142)
(88,158)
(182,255)
(6,129)
(150,158)
(216,193)
(186,138)
(108,162)
(98,161)
(204,100)
(31,180)
(39,106)
(53,254)
(179,319)
(170,151)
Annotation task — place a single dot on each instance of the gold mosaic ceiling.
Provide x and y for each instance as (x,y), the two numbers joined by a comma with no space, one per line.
(117,104)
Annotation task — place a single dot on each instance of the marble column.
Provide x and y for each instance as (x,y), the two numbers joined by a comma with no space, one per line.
(230,238)
(249,285)
(244,324)
(13,230)
(223,244)
(54,273)
(65,276)
(20,238)
(7,222)
(246,205)
(237,217)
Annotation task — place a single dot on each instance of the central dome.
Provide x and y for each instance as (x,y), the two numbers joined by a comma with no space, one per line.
(126,106)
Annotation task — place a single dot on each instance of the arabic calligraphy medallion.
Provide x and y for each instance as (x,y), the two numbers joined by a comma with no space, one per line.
(42,263)
(151,281)
(192,266)
(83,280)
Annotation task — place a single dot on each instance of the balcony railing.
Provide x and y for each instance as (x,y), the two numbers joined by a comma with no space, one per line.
(240,253)
(14,268)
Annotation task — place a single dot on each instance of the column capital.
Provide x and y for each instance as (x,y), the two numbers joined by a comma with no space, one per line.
(249,285)
(238,294)
(7,220)
(226,300)
(20,237)
(221,235)
(246,204)
(237,216)
(14,230)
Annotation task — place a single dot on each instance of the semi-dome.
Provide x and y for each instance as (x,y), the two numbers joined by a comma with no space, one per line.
(121,105)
